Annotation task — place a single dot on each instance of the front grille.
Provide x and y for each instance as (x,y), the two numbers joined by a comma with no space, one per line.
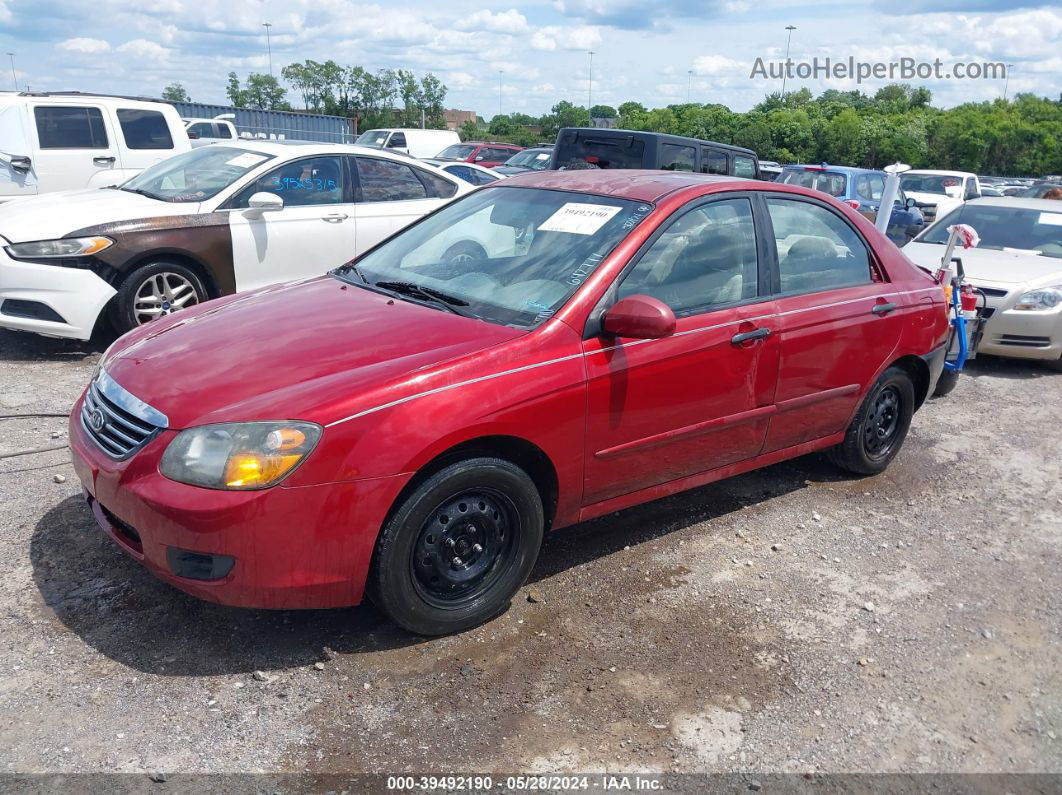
(1023,341)
(992,292)
(119,423)
(124,529)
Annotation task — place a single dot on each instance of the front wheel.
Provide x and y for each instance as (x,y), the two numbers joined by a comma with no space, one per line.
(458,547)
(948,380)
(153,291)
(879,428)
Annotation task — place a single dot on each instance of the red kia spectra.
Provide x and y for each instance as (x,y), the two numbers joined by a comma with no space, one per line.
(540,352)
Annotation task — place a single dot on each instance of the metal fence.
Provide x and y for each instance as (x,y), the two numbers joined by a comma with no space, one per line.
(275,124)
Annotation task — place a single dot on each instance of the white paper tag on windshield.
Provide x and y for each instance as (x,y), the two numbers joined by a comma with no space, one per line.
(579,219)
(1051,219)
(246,160)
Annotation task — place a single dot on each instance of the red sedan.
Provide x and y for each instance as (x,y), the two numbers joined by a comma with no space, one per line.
(410,425)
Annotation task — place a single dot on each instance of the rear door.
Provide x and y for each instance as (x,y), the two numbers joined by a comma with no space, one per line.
(391,195)
(660,410)
(839,321)
(312,234)
(76,146)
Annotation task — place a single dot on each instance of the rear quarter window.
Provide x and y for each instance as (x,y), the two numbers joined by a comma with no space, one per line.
(144,129)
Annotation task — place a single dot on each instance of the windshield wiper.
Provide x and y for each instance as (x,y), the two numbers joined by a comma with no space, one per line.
(352,266)
(143,192)
(438,297)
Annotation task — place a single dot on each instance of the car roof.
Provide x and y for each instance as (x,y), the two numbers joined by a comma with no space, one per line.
(1020,203)
(305,148)
(827,167)
(637,184)
(939,172)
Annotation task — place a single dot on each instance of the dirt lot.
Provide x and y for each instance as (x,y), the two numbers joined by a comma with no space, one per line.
(792,619)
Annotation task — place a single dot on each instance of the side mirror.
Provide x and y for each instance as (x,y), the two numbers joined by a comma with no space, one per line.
(641,317)
(479,157)
(263,202)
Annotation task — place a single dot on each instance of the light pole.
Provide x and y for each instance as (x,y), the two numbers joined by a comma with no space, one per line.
(689,85)
(590,86)
(1006,80)
(14,79)
(269,46)
(785,68)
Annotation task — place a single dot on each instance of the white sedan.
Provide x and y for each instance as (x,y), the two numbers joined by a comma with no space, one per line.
(1018,267)
(216,220)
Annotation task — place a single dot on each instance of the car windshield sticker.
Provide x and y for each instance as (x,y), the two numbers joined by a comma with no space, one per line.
(246,160)
(636,217)
(542,156)
(1051,219)
(579,219)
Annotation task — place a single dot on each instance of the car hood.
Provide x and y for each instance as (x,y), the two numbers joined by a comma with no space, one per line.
(54,215)
(316,350)
(939,199)
(990,265)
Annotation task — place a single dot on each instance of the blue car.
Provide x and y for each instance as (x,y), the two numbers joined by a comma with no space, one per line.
(861,189)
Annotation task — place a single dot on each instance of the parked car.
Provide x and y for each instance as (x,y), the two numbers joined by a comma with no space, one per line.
(419,424)
(939,192)
(484,154)
(534,159)
(415,142)
(1038,189)
(64,141)
(861,189)
(469,172)
(211,221)
(770,170)
(208,131)
(1018,267)
(989,191)
(593,148)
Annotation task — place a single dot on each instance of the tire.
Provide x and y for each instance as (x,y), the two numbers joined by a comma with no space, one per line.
(458,547)
(129,309)
(887,408)
(948,380)
(464,251)
(1054,364)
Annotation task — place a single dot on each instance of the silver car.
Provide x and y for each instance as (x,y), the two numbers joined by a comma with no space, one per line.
(1018,267)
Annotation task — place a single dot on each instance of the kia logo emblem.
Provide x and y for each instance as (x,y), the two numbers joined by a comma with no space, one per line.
(96,420)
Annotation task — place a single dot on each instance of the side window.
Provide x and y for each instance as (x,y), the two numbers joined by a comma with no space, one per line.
(744,167)
(705,258)
(437,186)
(877,187)
(144,129)
(70,128)
(387,181)
(462,172)
(223,131)
(677,158)
(398,141)
(862,185)
(713,162)
(201,129)
(816,249)
(971,188)
(315,180)
(479,178)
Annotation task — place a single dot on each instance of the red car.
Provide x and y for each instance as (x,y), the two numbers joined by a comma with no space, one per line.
(410,425)
(487,155)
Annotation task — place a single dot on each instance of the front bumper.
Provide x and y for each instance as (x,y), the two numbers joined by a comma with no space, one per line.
(50,299)
(300,547)
(1019,334)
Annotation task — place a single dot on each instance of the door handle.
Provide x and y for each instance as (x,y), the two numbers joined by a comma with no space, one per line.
(335,218)
(749,336)
(101,160)
(883,309)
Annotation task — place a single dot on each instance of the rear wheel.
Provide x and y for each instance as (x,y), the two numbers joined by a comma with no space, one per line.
(879,428)
(153,291)
(948,380)
(458,547)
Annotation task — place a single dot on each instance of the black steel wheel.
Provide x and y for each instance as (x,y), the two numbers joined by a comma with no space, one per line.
(882,423)
(878,430)
(457,547)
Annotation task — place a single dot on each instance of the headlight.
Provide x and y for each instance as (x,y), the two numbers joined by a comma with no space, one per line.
(67,247)
(239,456)
(1044,298)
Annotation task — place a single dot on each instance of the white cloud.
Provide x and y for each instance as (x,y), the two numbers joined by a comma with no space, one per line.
(717,64)
(736,6)
(84,45)
(582,37)
(511,21)
(142,48)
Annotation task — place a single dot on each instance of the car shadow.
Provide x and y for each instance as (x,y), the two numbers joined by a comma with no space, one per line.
(21,346)
(987,366)
(127,615)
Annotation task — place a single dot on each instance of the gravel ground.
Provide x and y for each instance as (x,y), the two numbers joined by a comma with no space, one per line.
(793,619)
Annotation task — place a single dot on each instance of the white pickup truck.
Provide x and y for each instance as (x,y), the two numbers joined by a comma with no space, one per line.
(67,141)
(208,131)
(939,192)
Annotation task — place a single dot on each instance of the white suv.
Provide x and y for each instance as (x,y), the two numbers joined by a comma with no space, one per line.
(51,142)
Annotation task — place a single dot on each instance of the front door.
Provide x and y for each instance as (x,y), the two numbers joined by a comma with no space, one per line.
(660,410)
(312,234)
(839,321)
(75,147)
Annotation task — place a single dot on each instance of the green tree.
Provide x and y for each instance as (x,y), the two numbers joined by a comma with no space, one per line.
(563,114)
(264,92)
(842,141)
(237,96)
(603,112)
(175,92)
(469,131)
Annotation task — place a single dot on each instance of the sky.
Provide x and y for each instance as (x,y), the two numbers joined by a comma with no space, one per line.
(527,56)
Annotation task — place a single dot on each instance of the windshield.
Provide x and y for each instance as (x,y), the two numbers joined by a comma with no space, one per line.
(1038,191)
(375,138)
(599,151)
(929,183)
(831,182)
(196,175)
(457,152)
(529,158)
(1035,231)
(512,256)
